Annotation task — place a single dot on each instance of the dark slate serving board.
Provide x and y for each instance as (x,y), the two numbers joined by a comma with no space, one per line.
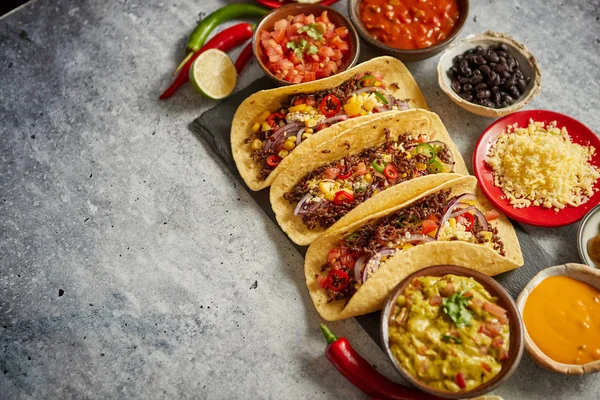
(214,127)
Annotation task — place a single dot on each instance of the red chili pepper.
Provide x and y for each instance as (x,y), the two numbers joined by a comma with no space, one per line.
(243,58)
(343,197)
(324,105)
(337,280)
(360,373)
(271,118)
(390,172)
(460,380)
(273,161)
(346,175)
(225,40)
(470,221)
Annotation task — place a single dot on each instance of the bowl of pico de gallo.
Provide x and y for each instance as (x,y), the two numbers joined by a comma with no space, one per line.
(299,43)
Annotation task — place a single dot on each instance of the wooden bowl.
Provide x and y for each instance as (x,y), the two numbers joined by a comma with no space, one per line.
(526,60)
(580,272)
(407,54)
(335,16)
(515,351)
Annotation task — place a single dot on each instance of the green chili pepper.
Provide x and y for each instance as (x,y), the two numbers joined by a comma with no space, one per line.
(378,167)
(435,167)
(406,220)
(367,80)
(449,338)
(426,149)
(381,97)
(351,238)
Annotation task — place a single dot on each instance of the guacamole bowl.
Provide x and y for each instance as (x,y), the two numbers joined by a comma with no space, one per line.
(452,331)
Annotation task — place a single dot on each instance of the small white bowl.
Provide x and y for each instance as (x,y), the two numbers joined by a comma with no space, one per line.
(526,60)
(580,272)
(588,228)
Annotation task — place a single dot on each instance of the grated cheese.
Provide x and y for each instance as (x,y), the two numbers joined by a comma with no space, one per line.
(539,165)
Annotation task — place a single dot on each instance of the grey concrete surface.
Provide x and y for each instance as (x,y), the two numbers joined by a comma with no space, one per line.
(133,266)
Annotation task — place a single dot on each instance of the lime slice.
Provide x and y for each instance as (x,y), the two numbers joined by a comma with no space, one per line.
(213,74)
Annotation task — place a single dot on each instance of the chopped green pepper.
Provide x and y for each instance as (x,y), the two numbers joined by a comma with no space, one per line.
(449,338)
(426,149)
(406,220)
(381,97)
(435,167)
(367,80)
(378,166)
(351,238)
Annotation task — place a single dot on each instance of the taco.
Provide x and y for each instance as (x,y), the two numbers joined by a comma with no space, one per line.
(330,185)
(351,271)
(271,124)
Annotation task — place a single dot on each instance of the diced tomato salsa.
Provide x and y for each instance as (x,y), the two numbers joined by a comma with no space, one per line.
(303,48)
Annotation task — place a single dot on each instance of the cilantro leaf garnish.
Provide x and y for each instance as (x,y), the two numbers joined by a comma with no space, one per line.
(312,30)
(450,338)
(455,307)
(312,49)
(297,46)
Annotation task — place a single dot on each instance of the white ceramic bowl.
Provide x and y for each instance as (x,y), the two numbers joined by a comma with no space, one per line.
(526,60)
(580,272)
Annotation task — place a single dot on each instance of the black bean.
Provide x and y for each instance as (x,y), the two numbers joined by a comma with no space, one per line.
(508,99)
(517,65)
(500,67)
(467,96)
(503,47)
(476,79)
(527,79)
(464,64)
(476,72)
(480,60)
(493,58)
(496,80)
(492,75)
(466,71)
(496,98)
(495,89)
(481,94)
(485,69)
(470,51)
(515,92)
(481,86)
(479,49)
(488,103)
(502,60)
(464,80)
(522,85)
(510,64)
(458,59)
(467,87)
(456,86)
(505,74)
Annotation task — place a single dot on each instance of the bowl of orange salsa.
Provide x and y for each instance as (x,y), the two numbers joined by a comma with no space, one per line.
(410,30)
(298,43)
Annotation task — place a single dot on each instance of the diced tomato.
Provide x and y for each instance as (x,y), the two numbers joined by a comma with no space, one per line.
(347,261)
(322,281)
(332,66)
(309,19)
(275,58)
(278,35)
(483,350)
(497,342)
(485,331)
(326,51)
(331,173)
(360,169)
(433,218)
(300,18)
(285,65)
(486,367)
(333,254)
(281,24)
(468,293)
(448,290)
(428,226)
(460,380)
(310,76)
(491,215)
(476,303)
(264,35)
(297,78)
(494,327)
(337,42)
(417,284)
(494,309)
(435,300)
(342,31)
(503,355)
(272,47)
(323,17)
(337,55)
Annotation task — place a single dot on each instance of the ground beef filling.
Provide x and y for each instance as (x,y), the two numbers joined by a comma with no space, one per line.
(328,212)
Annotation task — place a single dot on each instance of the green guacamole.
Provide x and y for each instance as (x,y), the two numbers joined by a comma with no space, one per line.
(449,333)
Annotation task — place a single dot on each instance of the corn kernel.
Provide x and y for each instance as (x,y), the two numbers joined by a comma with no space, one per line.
(262,117)
(386,158)
(308,130)
(408,156)
(452,222)
(326,187)
(305,135)
(310,123)
(487,235)
(289,145)
(266,126)
(421,166)
(363,112)
(369,104)
(402,175)
(407,246)
(257,144)
(255,127)
(377,83)
(369,178)
(283,153)
(298,108)
(433,233)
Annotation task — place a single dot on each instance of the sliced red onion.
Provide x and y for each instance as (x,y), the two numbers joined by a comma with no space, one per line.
(381,109)
(450,208)
(481,218)
(293,126)
(358,267)
(300,204)
(335,119)
(402,104)
(369,89)
(299,136)
(373,264)
(461,212)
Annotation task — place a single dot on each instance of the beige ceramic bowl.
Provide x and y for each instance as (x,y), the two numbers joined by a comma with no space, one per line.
(527,61)
(580,272)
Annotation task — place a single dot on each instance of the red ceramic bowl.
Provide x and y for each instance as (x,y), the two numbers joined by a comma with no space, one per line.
(538,216)
(276,3)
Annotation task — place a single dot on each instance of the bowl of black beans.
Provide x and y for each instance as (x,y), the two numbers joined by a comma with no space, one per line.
(489,74)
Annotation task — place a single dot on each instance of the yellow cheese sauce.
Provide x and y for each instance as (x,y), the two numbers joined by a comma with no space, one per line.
(562,317)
